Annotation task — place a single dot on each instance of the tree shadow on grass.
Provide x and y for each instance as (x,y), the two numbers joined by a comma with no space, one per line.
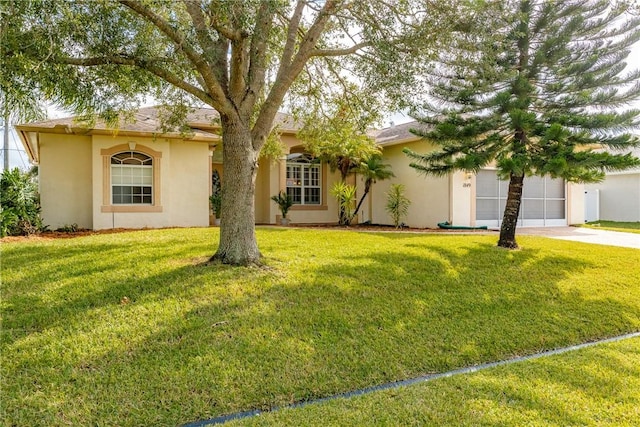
(54,285)
(113,356)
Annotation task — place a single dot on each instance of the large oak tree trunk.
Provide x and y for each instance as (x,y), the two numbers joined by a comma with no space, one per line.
(511,212)
(238,245)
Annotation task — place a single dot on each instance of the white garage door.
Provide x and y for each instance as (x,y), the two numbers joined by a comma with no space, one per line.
(544,201)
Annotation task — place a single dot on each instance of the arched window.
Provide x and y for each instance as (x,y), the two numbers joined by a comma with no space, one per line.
(131,178)
(304,179)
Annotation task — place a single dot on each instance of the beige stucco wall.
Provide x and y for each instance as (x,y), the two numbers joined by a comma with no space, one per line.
(271,178)
(619,197)
(65,180)
(430,202)
(266,186)
(189,183)
(184,185)
(73,188)
(450,198)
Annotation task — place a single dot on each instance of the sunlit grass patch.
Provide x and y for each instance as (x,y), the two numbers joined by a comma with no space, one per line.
(626,227)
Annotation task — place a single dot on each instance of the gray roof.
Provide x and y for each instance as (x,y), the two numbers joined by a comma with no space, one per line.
(204,124)
(202,121)
(399,133)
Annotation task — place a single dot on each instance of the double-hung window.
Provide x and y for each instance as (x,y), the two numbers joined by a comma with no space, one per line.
(304,179)
(131,179)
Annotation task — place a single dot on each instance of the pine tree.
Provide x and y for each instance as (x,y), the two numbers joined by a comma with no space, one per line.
(535,90)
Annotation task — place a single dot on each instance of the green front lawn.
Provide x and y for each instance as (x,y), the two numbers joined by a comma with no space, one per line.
(596,386)
(627,227)
(133,328)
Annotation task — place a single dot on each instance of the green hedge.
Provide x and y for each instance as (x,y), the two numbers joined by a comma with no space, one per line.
(19,203)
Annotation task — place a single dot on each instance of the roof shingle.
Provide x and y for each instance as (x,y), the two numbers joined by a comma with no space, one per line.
(399,133)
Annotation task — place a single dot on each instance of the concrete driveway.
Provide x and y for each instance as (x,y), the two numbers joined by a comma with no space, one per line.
(585,235)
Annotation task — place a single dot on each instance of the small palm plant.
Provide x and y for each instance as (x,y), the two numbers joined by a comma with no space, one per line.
(372,170)
(397,203)
(345,194)
(284,202)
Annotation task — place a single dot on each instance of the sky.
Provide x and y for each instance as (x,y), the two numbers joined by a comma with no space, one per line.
(18,158)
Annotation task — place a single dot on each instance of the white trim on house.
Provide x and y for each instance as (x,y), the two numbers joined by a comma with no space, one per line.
(390,142)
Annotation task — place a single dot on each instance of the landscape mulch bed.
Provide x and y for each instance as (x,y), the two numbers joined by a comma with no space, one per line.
(389,228)
(61,235)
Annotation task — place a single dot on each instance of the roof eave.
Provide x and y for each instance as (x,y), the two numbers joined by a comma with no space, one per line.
(146,134)
(66,129)
(399,141)
(30,147)
(218,128)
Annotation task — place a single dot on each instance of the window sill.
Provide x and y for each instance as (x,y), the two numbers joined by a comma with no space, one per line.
(309,207)
(131,208)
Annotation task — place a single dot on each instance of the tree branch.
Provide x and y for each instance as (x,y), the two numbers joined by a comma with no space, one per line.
(218,97)
(206,42)
(147,65)
(214,50)
(257,54)
(237,75)
(219,27)
(287,73)
(220,63)
(339,52)
(164,26)
(294,24)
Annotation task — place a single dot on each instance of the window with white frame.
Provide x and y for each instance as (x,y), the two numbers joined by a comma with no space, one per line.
(131,179)
(304,179)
